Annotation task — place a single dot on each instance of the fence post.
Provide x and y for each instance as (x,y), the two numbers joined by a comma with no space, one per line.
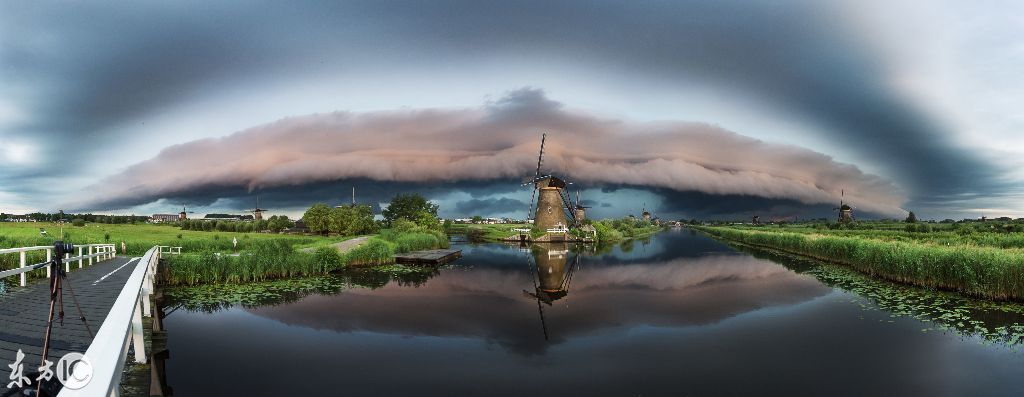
(67,265)
(24,279)
(49,257)
(79,256)
(90,255)
(137,341)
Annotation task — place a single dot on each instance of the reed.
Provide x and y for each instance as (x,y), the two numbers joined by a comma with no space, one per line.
(277,259)
(982,271)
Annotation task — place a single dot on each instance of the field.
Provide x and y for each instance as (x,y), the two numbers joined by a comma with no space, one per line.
(486,232)
(976,259)
(140,237)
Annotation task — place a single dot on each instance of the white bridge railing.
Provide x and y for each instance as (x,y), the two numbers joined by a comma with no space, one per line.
(99,252)
(166,249)
(122,328)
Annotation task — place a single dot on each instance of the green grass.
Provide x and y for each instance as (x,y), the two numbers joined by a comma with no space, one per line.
(962,265)
(487,232)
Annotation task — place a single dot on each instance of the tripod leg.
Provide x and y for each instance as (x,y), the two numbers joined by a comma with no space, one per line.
(60,301)
(80,314)
(54,287)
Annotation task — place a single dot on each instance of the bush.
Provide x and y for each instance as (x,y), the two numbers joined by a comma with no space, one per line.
(374,251)
(328,258)
(78,222)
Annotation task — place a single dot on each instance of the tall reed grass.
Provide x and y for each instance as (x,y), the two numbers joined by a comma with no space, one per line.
(973,270)
(265,260)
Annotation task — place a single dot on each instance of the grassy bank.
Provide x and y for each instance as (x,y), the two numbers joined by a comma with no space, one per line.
(279,259)
(975,270)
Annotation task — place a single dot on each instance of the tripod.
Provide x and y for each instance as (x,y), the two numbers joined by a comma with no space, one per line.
(57,276)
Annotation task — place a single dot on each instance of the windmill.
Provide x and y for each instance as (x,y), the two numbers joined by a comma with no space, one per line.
(257,213)
(183,215)
(554,207)
(845,210)
(580,212)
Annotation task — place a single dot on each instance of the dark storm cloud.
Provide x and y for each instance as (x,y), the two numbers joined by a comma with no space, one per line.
(490,206)
(80,69)
(790,54)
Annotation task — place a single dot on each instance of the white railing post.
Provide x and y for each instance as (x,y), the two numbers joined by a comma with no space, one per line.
(49,257)
(90,255)
(137,341)
(147,289)
(24,278)
(67,265)
(79,256)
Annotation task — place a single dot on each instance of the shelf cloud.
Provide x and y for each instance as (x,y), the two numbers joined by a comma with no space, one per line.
(497,141)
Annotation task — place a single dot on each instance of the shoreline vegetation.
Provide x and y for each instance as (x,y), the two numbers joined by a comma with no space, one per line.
(275,260)
(237,252)
(608,230)
(974,265)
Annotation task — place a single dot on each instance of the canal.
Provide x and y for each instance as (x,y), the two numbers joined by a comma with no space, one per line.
(676,314)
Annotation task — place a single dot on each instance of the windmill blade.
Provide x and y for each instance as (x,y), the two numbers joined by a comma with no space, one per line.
(567,203)
(536,177)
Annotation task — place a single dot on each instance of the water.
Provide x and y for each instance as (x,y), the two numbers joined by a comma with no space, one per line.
(678,314)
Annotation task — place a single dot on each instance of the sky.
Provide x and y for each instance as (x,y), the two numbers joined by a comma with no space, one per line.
(712,109)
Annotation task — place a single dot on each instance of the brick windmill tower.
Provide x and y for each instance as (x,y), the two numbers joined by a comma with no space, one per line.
(183,215)
(257,213)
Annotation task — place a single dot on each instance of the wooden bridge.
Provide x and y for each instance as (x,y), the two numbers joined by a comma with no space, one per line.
(114,295)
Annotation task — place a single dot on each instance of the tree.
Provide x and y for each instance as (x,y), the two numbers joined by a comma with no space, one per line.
(278,223)
(411,207)
(362,220)
(911,218)
(318,218)
(340,220)
(477,219)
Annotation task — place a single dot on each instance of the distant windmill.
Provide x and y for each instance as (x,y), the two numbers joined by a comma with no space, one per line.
(183,215)
(845,211)
(581,210)
(257,213)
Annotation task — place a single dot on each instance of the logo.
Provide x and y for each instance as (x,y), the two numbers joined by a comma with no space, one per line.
(74,371)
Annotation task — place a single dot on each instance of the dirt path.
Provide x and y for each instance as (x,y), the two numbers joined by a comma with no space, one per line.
(344,246)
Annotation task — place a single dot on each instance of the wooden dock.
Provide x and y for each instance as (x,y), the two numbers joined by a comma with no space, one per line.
(429,257)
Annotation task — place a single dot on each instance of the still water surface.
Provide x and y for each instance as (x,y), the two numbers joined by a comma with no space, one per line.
(678,314)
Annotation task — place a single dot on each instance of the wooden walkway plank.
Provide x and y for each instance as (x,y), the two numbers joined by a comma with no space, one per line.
(24,310)
(431,257)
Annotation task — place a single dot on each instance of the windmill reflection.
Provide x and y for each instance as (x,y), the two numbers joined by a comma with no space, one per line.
(551,271)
